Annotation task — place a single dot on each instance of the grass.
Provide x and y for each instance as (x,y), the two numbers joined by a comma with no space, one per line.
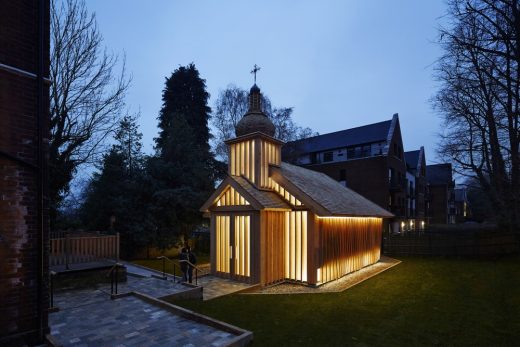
(422,301)
(157,264)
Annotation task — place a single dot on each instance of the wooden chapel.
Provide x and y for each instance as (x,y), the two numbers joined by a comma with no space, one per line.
(271,221)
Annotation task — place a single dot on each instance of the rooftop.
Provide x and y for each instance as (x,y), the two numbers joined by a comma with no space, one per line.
(329,196)
(355,136)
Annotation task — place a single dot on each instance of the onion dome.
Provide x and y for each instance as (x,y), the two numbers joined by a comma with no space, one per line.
(255,120)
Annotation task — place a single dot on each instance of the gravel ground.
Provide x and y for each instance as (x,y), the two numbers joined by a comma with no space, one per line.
(339,285)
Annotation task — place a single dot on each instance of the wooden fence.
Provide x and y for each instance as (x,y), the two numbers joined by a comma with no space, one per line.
(451,244)
(83,248)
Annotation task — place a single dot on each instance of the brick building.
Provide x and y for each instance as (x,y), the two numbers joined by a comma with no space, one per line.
(24,97)
(368,159)
(441,194)
(417,189)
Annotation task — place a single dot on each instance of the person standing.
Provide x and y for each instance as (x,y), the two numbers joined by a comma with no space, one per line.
(193,260)
(183,260)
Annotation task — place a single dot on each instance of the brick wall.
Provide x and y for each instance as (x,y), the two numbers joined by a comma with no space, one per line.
(23,224)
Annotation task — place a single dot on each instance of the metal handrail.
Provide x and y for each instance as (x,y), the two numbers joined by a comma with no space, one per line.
(114,277)
(163,257)
(193,266)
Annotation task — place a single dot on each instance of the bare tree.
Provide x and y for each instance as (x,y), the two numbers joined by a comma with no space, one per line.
(232,104)
(479,99)
(87,95)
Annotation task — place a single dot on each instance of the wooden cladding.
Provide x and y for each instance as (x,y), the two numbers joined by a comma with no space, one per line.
(242,246)
(273,246)
(231,198)
(285,194)
(251,159)
(223,243)
(285,246)
(295,245)
(242,159)
(347,244)
(269,154)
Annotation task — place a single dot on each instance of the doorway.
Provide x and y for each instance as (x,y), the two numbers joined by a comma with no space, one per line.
(233,245)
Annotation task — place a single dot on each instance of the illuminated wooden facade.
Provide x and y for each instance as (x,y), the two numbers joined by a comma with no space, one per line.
(273,222)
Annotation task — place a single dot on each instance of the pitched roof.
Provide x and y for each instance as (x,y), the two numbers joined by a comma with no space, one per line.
(439,174)
(344,138)
(267,199)
(412,158)
(328,197)
(259,199)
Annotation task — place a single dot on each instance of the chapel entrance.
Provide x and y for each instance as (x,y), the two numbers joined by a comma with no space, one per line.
(233,245)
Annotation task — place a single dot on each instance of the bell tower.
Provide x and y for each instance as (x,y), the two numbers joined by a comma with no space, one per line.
(254,148)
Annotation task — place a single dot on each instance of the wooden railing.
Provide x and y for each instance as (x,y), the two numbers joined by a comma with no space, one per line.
(72,249)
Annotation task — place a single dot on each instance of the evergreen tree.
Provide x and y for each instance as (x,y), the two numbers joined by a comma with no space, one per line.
(184,169)
(118,197)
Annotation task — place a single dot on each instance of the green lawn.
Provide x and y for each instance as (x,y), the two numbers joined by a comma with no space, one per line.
(157,264)
(422,301)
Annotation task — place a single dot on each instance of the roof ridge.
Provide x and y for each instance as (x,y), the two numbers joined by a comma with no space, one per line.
(339,131)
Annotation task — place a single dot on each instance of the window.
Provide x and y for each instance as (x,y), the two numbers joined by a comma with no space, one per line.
(351,153)
(327,156)
(365,151)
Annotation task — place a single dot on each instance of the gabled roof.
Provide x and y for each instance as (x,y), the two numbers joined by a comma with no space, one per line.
(415,160)
(439,174)
(323,195)
(412,159)
(344,138)
(267,199)
(259,199)
(376,132)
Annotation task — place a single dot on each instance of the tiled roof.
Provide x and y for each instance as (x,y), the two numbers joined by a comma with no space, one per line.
(439,174)
(265,198)
(340,139)
(333,197)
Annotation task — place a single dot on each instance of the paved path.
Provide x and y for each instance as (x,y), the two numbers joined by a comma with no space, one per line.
(214,287)
(96,320)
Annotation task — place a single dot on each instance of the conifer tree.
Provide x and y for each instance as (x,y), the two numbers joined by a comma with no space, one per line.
(117,198)
(184,167)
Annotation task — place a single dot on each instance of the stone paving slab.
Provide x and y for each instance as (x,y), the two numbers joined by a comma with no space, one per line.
(129,321)
(338,285)
(215,287)
(149,285)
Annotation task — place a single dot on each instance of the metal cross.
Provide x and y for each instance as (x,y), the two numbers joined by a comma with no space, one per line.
(255,70)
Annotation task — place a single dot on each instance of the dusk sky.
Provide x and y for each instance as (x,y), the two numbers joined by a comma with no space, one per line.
(340,64)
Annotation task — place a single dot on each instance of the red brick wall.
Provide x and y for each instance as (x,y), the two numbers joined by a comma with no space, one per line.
(23,237)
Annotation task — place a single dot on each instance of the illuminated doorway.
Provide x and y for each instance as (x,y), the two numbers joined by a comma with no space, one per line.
(233,245)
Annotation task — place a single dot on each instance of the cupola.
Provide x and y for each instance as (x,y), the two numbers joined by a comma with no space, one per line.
(255,120)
